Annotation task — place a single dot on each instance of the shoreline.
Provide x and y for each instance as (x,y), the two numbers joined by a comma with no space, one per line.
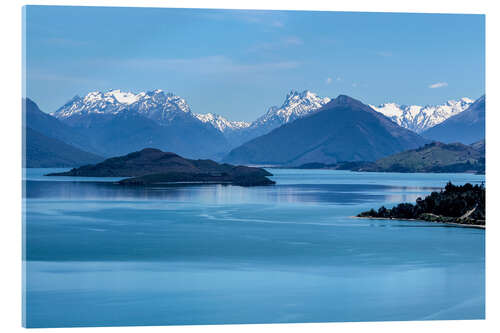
(453,224)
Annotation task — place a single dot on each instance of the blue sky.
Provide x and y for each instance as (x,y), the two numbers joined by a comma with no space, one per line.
(238,63)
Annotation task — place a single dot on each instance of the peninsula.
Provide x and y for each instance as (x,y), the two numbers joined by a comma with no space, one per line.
(456,204)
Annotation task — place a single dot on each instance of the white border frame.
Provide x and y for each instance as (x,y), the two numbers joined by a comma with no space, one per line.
(11,91)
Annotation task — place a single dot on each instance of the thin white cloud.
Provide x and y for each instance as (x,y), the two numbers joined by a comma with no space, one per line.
(278,24)
(65,42)
(438,85)
(290,41)
(208,65)
(328,80)
(266,18)
(384,54)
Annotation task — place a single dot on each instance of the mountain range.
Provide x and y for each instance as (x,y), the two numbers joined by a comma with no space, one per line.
(344,129)
(119,122)
(419,118)
(166,108)
(466,127)
(115,122)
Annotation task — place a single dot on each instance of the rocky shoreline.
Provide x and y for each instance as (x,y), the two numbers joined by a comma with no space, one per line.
(460,205)
(453,224)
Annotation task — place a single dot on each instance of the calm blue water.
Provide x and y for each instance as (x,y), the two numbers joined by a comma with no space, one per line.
(100,254)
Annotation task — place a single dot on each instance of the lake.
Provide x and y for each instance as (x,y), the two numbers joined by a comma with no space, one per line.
(102,254)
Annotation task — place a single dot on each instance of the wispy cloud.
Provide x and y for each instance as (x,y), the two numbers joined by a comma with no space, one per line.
(290,41)
(264,18)
(65,42)
(329,80)
(384,54)
(271,19)
(438,85)
(278,24)
(207,65)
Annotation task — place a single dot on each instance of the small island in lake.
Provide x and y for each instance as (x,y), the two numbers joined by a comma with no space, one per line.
(154,167)
(456,204)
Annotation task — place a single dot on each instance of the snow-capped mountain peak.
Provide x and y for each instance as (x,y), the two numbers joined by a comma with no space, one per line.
(124,97)
(221,123)
(296,105)
(156,105)
(419,118)
(163,107)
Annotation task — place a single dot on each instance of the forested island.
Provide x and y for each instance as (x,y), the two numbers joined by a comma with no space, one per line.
(463,204)
(155,167)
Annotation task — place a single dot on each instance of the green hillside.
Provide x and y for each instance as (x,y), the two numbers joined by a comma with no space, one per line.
(435,157)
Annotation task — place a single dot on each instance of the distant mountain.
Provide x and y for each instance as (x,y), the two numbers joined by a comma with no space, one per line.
(296,105)
(119,122)
(342,130)
(44,152)
(155,167)
(419,118)
(168,110)
(156,105)
(221,123)
(299,104)
(466,127)
(51,127)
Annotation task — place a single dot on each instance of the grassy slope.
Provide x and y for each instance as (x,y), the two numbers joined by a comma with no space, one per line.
(433,157)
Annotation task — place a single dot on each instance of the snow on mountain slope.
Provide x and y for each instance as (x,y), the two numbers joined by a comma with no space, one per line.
(162,107)
(419,118)
(221,123)
(156,105)
(296,105)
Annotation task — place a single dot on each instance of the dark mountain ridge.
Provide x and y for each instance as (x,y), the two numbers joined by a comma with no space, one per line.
(44,152)
(51,127)
(50,143)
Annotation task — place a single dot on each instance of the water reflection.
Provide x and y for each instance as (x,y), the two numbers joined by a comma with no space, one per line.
(100,254)
(220,194)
